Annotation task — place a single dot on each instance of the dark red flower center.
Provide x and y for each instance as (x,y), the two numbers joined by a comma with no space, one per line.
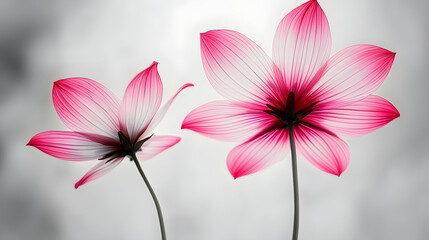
(126,148)
(288,115)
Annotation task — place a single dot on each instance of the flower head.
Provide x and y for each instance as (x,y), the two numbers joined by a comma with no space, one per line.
(323,97)
(105,128)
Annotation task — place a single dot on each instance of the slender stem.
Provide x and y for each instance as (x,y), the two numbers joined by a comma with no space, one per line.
(155,199)
(295,184)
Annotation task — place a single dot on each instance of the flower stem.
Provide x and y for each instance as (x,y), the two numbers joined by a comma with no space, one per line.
(155,199)
(295,184)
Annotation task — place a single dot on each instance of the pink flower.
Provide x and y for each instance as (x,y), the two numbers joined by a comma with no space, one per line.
(105,128)
(324,97)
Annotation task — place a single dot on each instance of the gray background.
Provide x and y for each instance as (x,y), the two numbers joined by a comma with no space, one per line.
(382,195)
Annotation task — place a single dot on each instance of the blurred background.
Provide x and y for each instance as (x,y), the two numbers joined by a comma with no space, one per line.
(382,195)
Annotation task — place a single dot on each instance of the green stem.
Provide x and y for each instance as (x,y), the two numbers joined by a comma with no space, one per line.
(155,199)
(295,184)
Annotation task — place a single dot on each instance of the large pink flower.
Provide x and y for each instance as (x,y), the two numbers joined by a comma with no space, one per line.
(324,97)
(105,128)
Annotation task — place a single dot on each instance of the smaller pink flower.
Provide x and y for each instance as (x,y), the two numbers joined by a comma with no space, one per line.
(105,128)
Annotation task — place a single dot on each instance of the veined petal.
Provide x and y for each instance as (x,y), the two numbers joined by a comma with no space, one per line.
(226,120)
(302,45)
(98,171)
(141,101)
(356,119)
(258,153)
(86,106)
(324,150)
(70,146)
(155,145)
(239,69)
(162,111)
(353,74)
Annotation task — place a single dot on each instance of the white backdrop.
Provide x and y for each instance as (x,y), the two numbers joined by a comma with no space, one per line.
(382,195)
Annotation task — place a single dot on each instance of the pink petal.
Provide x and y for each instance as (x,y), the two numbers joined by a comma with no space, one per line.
(156,145)
(86,106)
(163,110)
(141,101)
(302,45)
(98,171)
(356,119)
(258,153)
(354,73)
(238,68)
(226,120)
(324,150)
(70,146)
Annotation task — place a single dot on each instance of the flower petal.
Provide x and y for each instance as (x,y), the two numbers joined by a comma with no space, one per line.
(258,153)
(238,68)
(226,120)
(302,45)
(163,110)
(98,171)
(356,119)
(86,106)
(70,146)
(354,73)
(322,149)
(156,145)
(141,101)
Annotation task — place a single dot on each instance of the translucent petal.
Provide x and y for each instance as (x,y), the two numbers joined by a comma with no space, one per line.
(86,106)
(98,171)
(353,74)
(302,45)
(356,119)
(239,69)
(258,153)
(322,149)
(162,111)
(156,145)
(226,120)
(141,101)
(70,146)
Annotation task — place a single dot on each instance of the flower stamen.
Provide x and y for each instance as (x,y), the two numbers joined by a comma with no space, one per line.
(127,148)
(289,116)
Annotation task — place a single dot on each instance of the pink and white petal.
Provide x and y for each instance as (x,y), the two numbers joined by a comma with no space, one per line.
(69,146)
(324,150)
(226,120)
(141,101)
(155,145)
(98,171)
(353,74)
(86,106)
(302,45)
(238,68)
(162,111)
(258,153)
(357,119)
